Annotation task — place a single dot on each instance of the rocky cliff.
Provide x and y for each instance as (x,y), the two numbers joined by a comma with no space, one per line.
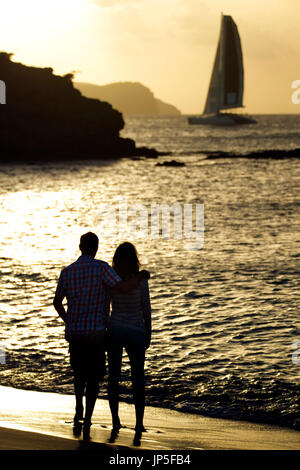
(45,117)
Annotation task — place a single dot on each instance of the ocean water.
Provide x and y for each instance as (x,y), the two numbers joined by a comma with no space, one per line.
(225,317)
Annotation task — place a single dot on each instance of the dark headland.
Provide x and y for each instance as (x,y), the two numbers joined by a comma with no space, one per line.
(131,98)
(46,118)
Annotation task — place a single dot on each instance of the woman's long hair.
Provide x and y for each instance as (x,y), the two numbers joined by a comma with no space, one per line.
(125,260)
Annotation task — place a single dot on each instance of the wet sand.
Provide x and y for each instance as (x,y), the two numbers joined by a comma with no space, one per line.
(39,420)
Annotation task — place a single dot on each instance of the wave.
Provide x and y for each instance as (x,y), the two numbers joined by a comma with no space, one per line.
(269,153)
(270,401)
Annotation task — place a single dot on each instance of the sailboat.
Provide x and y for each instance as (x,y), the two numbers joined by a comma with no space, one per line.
(227,81)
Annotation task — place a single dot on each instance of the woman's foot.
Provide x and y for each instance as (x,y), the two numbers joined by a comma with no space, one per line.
(140,428)
(137,438)
(138,435)
(86,429)
(78,422)
(77,428)
(78,415)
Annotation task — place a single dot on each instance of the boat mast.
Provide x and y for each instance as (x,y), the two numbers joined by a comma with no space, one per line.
(216,87)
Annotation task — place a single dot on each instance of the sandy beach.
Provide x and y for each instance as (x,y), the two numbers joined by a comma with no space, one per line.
(43,421)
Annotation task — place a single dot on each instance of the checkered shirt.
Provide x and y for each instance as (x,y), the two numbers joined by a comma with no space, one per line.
(84,284)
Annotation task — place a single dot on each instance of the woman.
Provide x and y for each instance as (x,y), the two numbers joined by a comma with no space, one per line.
(129,328)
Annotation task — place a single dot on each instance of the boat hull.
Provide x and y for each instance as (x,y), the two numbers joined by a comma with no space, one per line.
(224,119)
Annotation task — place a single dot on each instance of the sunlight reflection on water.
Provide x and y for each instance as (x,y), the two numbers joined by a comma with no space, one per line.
(221,314)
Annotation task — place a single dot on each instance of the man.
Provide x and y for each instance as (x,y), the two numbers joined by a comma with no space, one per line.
(84,283)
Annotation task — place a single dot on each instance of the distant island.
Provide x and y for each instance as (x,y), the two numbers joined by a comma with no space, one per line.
(131,98)
(45,117)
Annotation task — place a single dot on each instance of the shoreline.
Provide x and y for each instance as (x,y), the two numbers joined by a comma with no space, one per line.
(146,153)
(42,420)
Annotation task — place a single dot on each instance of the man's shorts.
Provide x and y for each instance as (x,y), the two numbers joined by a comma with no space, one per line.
(87,355)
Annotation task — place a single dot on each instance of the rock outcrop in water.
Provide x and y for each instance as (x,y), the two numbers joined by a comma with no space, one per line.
(260,154)
(129,97)
(171,163)
(46,117)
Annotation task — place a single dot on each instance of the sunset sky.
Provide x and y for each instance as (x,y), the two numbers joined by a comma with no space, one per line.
(168,45)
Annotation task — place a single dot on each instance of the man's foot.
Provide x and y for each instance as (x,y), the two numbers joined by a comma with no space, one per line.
(114,434)
(116,425)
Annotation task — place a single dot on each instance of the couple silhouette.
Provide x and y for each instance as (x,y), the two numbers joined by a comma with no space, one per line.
(108,309)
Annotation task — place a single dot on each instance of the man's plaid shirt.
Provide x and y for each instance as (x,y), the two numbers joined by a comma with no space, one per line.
(85,285)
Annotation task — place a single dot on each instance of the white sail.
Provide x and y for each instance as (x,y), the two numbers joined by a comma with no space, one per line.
(227,79)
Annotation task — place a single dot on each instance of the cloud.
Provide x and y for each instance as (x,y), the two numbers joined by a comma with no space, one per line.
(195,23)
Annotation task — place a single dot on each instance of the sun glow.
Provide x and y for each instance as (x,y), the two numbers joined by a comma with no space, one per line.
(45,33)
(40,14)
(166,45)
(34,24)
